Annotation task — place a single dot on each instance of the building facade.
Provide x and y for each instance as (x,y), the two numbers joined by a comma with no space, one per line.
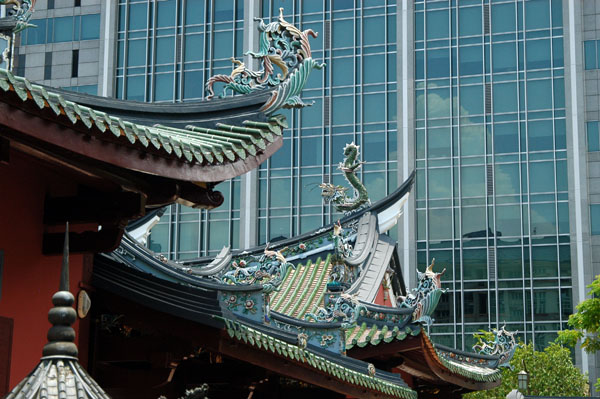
(494,103)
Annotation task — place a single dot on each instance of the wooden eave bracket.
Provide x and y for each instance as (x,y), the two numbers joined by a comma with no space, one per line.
(110,211)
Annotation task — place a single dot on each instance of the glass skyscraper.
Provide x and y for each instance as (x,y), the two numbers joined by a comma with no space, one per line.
(495,104)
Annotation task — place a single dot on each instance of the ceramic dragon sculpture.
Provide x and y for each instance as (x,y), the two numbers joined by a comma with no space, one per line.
(345,308)
(504,346)
(426,296)
(269,270)
(21,11)
(282,45)
(337,194)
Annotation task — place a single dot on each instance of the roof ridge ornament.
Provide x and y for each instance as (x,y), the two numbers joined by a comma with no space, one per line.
(337,194)
(283,45)
(503,345)
(21,11)
(426,296)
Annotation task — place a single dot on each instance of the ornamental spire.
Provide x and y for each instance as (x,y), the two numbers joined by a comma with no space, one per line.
(61,335)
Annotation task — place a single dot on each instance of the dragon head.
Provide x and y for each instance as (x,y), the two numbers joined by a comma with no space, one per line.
(331,192)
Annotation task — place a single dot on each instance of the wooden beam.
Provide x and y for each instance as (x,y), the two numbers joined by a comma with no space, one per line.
(94,207)
(289,368)
(105,240)
(59,131)
(372,351)
(4,150)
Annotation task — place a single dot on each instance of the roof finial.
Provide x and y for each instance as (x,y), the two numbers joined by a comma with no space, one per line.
(61,335)
(64,273)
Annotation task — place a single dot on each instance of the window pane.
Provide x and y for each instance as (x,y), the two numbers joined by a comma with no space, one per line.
(374,30)
(541,177)
(471,100)
(471,140)
(505,97)
(165,14)
(138,14)
(538,54)
(163,89)
(595,217)
(475,264)
(592,136)
(223,11)
(469,21)
(510,262)
(440,224)
(342,33)
(438,63)
(438,183)
(373,68)
(537,14)
(37,34)
(473,181)
(194,48)
(374,108)
(342,110)
(136,52)
(165,50)
(543,219)
(63,29)
(135,88)
(473,222)
(438,142)
(507,179)
(545,303)
(311,151)
(503,18)
(506,138)
(90,27)
(539,94)
(279,192)
(508,221)
(471,60)
(437,24)
(438,103)
(510,305)
(192,84)
(590,54)
(504,57)
(223,44)
(540,136)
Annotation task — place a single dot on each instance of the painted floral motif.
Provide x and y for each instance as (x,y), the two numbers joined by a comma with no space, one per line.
(243,303)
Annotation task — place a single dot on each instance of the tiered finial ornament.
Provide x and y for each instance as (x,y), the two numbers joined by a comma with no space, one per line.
(59,374)
(281,44)
(337,194)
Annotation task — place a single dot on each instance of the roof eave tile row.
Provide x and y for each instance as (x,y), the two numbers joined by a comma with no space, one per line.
(198,145)
(277,346)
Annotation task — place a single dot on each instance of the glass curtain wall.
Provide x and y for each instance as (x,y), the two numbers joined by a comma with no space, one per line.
(492,202)
(166,50)
(354,101)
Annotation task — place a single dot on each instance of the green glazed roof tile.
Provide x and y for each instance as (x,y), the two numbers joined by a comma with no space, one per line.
(223,144)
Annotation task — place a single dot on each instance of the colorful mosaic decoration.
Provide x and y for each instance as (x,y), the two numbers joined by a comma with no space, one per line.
(426,296)
(269,270)
(337,194)
(240,303)
(504,346)
(282,45)
(345,309)
(21,11)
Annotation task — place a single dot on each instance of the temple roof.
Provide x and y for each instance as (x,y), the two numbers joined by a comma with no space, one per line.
(223,148)
(311,298)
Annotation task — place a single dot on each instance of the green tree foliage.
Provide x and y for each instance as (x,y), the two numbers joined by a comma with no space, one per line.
(585,323)
(551,373)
